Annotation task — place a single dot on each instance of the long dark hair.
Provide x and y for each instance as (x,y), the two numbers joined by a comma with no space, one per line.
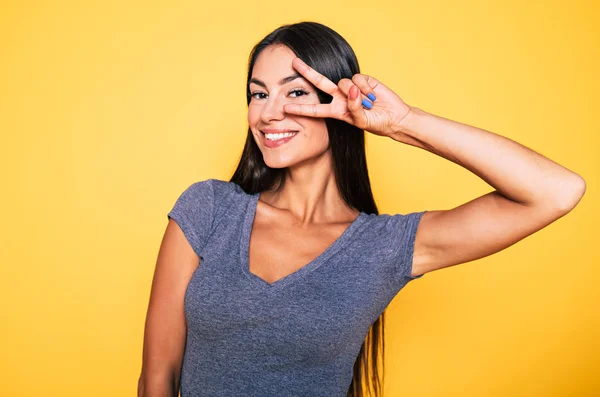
(330,54)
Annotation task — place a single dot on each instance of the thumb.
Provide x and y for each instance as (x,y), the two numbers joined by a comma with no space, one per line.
(355,106)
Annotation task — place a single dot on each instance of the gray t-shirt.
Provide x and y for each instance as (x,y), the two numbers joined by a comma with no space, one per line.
(300,335)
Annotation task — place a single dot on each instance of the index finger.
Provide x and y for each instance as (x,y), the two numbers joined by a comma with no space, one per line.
(318,80)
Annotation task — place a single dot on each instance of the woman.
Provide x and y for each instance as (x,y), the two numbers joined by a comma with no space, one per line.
(297,264)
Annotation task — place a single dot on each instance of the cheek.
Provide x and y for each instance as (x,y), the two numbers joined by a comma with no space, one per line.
(253,118)
(316,130)
(253,115)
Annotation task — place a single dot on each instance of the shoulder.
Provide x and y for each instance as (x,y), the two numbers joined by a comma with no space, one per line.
(220,195)
(394,223)
(388,231)
(395,239)
(203,201)
(212,189)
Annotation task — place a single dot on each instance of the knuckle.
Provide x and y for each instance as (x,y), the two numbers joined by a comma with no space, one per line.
(345,82)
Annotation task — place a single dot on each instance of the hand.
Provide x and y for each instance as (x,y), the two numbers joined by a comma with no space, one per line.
(383,118)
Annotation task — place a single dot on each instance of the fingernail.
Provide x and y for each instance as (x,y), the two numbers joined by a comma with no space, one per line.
(371,96)
(366,103)
(353,93)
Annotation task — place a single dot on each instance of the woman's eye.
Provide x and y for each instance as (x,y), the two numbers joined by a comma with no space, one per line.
(254,95)
(298,93)
(293,94)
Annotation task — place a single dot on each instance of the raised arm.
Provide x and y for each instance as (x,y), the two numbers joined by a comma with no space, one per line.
(165,329)
(532,191)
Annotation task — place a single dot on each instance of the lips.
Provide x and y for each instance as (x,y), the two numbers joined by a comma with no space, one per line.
(276,143)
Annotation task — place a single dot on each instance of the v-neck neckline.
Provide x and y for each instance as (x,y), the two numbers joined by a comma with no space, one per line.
(307,268)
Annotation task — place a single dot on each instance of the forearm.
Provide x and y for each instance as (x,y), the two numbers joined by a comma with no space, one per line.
(515,171)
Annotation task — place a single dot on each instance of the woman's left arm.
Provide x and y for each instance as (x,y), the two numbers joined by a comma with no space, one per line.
(531,192)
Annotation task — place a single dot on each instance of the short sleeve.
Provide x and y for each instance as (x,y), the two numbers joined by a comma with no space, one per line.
(194,212)
(402,231)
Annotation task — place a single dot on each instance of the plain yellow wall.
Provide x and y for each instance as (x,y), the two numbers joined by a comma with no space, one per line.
(109,110)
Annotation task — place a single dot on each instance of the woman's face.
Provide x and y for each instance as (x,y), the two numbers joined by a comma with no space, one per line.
(274,82)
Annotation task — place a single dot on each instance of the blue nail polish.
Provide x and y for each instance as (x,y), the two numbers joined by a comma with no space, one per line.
(371,96)
(366,103)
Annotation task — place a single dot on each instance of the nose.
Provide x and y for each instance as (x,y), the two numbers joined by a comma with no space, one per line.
(273,109)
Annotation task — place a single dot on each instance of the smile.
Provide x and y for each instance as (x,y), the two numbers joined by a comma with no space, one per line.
(273,140)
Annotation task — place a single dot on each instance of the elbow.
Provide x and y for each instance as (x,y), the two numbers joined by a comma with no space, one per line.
(156,386)
(571,193)
(140,388)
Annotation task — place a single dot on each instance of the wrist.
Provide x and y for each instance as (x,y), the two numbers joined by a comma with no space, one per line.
(403,127)
(406,131)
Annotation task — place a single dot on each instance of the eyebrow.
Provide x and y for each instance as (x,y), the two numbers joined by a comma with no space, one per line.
(283,81)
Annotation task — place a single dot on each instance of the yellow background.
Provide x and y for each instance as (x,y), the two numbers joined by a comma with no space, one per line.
(109,110)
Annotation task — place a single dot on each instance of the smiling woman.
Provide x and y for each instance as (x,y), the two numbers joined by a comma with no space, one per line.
(330,149)
(275,282)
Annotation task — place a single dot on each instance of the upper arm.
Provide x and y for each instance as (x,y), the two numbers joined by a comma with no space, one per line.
(476,229)
(165,329)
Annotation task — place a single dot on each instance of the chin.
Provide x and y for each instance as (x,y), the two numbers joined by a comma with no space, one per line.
(273,162)
(283,161)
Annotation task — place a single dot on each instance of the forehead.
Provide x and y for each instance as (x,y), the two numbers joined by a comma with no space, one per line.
(273,63)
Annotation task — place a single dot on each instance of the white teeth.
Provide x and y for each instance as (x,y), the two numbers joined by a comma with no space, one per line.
(274,137)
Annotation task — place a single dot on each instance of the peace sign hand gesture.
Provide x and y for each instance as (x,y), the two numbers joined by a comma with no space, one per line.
(383,117)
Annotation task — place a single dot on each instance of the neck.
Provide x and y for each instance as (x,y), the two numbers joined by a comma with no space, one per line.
(310,193)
